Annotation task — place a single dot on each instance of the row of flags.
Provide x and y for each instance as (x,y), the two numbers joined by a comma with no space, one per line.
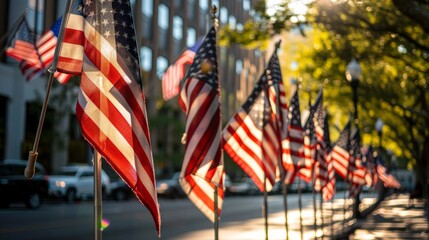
(35,56)
(266,139)
(265,136)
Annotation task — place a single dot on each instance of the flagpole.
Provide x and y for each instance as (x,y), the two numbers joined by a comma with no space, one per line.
(216,214)
(283,175)
(321,216)
(332,217)
(213,12)
(284,192)
(32,157)
(265,207)
(347,176)
(301,230)
(97,196)
(314,205)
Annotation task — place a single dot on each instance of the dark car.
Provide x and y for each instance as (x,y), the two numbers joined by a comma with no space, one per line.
(244,186)
(170,188)
(120,191)
(14,187)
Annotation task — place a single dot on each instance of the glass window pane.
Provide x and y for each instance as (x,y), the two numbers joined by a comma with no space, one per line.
(223,15)
(246,5)
(192,36)
(163,12)
(146,58)
(162,64)
(238,66)
(204,4)
(147,7)
(177,27)
(232,22)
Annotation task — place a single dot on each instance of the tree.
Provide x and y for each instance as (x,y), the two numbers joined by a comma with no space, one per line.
(390,40)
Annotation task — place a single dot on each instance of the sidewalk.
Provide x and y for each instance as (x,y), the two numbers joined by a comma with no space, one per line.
(394,218)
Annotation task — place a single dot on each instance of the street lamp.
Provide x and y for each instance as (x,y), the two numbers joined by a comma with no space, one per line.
(353,74)
(379,127)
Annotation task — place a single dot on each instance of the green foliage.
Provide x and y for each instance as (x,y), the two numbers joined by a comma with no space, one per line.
(390,41)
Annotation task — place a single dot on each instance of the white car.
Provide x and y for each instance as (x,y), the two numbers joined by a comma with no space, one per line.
(76,182)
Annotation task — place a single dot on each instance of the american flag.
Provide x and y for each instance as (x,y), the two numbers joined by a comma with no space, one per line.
(356,175)
(340,154)
(357,171)
(252,137)
(276,93)
(100,45)
(323,179)
(310,143)
(293,149)
(328,190)
(46,48)
(388,180)
(21,44)
(202,169)
(176,72)
(277,99)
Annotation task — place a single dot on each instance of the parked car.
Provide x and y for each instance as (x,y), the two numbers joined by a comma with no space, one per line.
(76,182)
(297,184)
(14,187)
(170,187)
(120,191)
(245,186)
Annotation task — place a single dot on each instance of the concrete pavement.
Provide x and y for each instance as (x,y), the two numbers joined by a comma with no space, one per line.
(394,218)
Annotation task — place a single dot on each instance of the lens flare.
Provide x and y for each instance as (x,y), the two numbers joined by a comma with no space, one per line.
(104,224)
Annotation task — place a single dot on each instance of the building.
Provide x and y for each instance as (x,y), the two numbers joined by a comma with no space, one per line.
(165,28)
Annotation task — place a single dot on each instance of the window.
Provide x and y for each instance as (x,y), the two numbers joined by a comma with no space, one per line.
(238,66)
(40,15)
(246,5)
(163,12)
(232,22)
(204,4)
(177,27)
(146,58)
(162,64)
(147,7)
(223,15)
(192,36)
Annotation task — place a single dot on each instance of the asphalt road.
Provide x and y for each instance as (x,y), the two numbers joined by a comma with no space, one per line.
(130,220)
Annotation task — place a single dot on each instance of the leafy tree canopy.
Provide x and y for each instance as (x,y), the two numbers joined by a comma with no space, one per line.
(390,39)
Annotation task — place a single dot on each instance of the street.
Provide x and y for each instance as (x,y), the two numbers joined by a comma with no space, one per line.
(241,219)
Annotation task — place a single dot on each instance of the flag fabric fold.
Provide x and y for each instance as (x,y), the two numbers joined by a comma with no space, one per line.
(324,176)
(293,144)
(340,154)
(202,169)
(176,72)
(388,180)
(99,44)
(252,137)
(306,173)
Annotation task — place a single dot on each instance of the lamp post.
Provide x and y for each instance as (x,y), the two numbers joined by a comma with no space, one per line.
(353,74)
(379,127)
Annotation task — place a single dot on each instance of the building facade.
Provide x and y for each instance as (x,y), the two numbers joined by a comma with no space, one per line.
(164,28)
